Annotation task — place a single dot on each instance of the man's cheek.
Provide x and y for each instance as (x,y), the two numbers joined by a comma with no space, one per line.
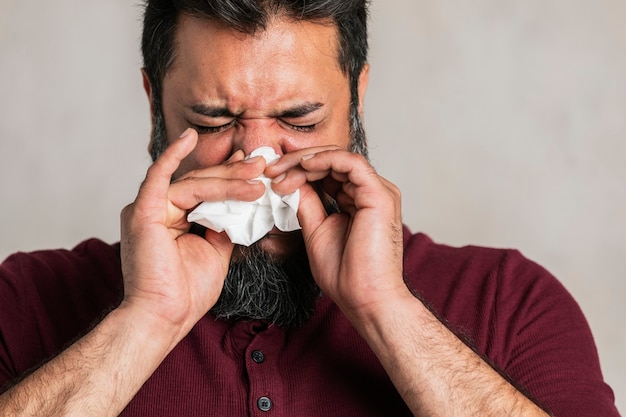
(206,154)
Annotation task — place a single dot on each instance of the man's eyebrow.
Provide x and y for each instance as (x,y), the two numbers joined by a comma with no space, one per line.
(295,112)
(300,110)
(212,111)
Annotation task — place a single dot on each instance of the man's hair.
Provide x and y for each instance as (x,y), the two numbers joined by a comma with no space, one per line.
(250,16)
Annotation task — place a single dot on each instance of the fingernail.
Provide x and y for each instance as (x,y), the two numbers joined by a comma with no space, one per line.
(279,178)
(185,133)
(252,160)
(308,156)
(253,182)
(234,155)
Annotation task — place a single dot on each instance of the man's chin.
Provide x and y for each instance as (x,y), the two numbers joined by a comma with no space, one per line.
(269,280)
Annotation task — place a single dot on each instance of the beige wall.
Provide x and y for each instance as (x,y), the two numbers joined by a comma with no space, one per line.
(502,122)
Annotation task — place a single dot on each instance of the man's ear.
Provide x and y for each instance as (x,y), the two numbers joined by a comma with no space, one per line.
(147,86)
(363,80)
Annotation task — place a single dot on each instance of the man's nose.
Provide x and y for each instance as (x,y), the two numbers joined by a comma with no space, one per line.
(254,133)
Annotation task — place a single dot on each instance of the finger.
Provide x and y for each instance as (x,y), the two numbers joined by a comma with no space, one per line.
(345,203)
(396,195)
(159,175)
(292,159)
(289,181)
(231,181)
(316,164)
(359,179)
(193,191)
(222,244)
(311,211)
(294,178)
(234,168)
(151,204)
(236,157)
(344,166)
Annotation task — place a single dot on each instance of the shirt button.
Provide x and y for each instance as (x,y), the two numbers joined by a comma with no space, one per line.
(258,356)
(264,404)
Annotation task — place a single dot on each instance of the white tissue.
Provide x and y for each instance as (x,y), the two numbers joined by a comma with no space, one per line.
(245,222)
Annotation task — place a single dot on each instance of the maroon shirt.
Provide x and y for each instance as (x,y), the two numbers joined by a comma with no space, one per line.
(508,308)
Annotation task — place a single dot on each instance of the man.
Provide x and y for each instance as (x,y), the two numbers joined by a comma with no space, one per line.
(338,319)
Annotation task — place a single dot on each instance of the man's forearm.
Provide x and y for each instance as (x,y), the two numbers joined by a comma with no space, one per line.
(433,370)
(96,376)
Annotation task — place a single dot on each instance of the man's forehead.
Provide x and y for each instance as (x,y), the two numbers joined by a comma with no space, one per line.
(320,35)
(287,63)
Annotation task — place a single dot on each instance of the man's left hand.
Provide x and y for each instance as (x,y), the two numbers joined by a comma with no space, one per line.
(355,255)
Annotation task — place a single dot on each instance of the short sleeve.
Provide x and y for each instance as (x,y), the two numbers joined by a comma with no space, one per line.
(11,318)
(547,344)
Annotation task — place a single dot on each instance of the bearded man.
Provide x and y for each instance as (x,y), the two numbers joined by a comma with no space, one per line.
(351,316)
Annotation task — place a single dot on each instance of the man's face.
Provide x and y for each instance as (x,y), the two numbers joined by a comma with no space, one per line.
(281,87)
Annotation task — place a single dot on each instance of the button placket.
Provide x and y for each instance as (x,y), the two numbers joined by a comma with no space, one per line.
(263,376)
(263,403)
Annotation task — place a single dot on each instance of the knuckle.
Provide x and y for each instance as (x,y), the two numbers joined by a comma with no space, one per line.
(125,214)
(153,170)
(357,158)
(186,180)
(396,191)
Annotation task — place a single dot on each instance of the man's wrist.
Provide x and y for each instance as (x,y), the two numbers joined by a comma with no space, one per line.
(376,318)
(156,333)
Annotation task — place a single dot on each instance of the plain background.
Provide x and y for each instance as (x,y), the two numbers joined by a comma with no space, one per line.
(503,122)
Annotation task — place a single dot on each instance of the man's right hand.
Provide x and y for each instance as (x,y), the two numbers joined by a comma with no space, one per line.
(169,273)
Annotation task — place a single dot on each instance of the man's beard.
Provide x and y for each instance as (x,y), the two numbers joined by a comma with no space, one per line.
(263,286)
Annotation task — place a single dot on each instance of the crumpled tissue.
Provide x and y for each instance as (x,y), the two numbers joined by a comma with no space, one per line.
(245,222)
